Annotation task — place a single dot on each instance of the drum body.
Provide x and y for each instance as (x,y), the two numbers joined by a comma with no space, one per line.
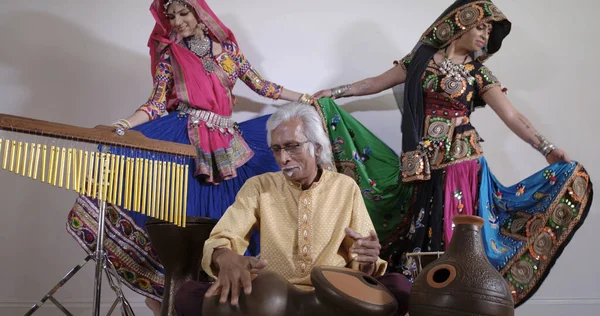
(272,295)
(337,292)
(180,252)
(462,281)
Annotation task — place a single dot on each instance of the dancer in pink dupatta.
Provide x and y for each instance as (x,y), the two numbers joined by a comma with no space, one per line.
(196,62)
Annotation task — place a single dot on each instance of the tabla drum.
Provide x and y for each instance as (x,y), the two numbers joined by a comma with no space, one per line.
(416,261)
(180,252)
(352,292)
(337,292)
(272,295)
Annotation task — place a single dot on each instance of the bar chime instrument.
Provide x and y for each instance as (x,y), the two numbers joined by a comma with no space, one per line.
(129,170)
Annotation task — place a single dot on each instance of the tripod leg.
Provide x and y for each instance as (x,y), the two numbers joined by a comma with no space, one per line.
(58,285)
(99,257)
(59,305)
(112,307)
(110,270)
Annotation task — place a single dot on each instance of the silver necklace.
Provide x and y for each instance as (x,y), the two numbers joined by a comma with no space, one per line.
(202,48)
(450,69)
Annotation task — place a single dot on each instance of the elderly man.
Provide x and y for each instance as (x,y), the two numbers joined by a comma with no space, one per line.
(307,216)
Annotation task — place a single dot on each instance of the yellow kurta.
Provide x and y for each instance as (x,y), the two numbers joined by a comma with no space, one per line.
(299,229)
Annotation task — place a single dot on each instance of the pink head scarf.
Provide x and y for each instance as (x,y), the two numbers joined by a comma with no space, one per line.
(200,90)
(192,84)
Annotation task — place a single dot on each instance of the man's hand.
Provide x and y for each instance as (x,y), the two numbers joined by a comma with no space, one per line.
(234,273)
(366,250)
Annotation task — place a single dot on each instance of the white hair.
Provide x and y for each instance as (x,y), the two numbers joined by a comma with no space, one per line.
(312,126)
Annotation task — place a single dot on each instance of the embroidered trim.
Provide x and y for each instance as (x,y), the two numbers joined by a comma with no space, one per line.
(415,166)
(304,258)
(437,152)
(531,262)
(460,21)
(222,163)
(126,244)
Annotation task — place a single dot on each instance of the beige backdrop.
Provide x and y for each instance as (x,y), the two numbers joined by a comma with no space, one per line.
(86,62)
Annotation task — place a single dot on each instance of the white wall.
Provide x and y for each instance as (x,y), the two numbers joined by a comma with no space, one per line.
(86,63)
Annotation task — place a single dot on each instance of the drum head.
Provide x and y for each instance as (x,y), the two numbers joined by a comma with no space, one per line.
(352,292)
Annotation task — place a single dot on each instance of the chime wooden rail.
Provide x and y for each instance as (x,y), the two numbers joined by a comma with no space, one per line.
(131,171)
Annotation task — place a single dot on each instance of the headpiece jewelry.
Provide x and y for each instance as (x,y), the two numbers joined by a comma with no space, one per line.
(169,2)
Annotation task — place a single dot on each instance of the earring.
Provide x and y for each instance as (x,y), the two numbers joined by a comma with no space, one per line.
(203,28)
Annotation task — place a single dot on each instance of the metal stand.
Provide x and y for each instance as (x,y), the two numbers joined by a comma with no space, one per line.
(102,264)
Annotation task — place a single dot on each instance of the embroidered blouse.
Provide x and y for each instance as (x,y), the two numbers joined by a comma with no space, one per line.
(231,60)
(449,136)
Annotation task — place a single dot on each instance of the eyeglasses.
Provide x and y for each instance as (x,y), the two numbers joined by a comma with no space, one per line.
(291,148)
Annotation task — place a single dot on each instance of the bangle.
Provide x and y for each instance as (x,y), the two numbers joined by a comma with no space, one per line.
(123,123)
(305,98)
(339,91)
(545,146)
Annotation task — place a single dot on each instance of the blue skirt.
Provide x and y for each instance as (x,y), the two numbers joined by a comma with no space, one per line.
(207,199)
